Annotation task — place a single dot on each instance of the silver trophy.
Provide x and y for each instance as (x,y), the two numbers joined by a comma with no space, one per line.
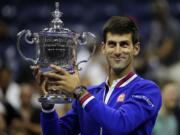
(56,45)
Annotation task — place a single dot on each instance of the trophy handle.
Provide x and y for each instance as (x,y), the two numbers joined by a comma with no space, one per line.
(87,39)
(27,34)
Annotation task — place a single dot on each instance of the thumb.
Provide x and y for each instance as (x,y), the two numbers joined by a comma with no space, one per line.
(75,66)
(76,69)
(43,87)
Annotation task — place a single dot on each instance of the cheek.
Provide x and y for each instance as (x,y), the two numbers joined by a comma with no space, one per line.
(127,50)
(129,53)
(108,51)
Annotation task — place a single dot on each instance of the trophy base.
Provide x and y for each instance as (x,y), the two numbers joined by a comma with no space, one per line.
(54,99)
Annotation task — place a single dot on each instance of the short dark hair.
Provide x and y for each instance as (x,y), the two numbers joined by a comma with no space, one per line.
(121,25)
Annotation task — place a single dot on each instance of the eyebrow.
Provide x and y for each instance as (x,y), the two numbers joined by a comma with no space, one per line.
(114,42)
(123,42)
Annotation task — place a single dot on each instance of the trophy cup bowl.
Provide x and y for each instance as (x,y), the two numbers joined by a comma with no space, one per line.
(56,45)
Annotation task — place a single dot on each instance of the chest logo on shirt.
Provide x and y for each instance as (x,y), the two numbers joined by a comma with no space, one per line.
(121,97)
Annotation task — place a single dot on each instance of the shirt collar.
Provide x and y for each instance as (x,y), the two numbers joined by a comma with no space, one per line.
(121,82)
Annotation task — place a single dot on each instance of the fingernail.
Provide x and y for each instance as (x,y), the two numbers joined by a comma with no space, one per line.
(31,67)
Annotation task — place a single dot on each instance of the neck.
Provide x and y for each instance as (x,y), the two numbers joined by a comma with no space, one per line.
(114,75)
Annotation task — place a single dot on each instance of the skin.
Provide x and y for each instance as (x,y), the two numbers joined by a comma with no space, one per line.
(119,51)
(170,96)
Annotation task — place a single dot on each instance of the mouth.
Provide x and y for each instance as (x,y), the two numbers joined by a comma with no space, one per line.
(118,58)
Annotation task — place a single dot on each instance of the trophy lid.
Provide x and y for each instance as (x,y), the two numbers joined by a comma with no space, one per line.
(56,22)
(56,25)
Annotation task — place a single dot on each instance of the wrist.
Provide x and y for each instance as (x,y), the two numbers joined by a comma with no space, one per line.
(83,96)
(80,92)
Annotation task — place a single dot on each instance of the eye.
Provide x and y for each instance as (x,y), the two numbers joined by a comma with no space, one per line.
(111,44)
(124,44)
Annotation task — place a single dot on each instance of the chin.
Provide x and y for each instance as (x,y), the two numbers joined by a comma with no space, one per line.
(118,70)
(119,66)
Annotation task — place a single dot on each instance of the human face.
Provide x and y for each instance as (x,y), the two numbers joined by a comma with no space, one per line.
(170,96)
(120,51)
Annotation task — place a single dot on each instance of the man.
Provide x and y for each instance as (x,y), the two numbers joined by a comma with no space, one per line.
(122,105)
(29,121)
(167,123)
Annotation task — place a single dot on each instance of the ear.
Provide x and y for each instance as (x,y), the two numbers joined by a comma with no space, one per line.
(103,48)
(136,48)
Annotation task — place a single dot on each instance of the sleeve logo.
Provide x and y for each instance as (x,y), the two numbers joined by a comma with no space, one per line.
(146,99)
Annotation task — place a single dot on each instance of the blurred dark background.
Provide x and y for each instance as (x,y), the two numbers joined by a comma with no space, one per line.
(159,27)
(79,15)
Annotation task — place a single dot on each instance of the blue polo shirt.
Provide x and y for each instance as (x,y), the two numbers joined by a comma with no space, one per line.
(129,107)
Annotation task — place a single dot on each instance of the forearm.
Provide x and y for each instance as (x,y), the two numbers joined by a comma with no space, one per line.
(49,123)
(99,111)
(52,125)
(107,117)
(122,120)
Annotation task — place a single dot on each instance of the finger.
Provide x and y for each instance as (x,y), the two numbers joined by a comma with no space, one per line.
(55,83)
(59,90)
(64,92)
(58,69)
(75,67)
(53,75)
(35,70)
(55,88)
(76,70)
(34,67)
(43,91)
(39,77)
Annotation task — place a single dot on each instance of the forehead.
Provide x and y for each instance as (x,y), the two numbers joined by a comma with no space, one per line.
(118,37)
(170,88)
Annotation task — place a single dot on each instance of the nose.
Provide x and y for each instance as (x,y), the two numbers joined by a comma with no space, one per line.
(117,50)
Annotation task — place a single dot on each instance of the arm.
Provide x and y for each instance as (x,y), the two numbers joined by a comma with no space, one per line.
(50,123)
(67,125)
(141,106)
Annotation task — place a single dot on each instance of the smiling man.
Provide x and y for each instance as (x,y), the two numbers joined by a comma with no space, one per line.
(125,104)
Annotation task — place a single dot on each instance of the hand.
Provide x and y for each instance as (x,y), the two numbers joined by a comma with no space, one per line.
(40,79)
(63,80)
